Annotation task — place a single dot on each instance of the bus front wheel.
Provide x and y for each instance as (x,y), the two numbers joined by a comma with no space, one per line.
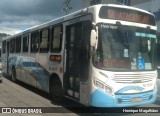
(56,90)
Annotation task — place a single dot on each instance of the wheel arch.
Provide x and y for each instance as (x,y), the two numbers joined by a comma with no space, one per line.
(53,77)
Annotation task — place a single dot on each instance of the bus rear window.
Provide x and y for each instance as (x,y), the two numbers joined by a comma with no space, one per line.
(126,15)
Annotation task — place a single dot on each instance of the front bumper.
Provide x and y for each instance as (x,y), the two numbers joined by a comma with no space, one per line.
(101,99)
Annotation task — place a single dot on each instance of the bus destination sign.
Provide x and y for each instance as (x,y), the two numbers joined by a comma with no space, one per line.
(126,15)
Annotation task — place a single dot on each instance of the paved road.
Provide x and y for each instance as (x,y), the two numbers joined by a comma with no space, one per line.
(21,96)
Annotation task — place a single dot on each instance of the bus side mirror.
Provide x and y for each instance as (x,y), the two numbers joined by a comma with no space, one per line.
(93,38)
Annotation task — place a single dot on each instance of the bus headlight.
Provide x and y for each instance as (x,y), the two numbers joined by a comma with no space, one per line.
(98,84)
(108,90)
(103,87)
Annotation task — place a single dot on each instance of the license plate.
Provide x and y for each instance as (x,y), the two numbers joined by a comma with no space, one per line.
(136,100)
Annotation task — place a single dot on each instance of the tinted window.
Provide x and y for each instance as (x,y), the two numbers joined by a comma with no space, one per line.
(25,43)
(4,46)
(44,40)
(18,44)
(56,40)
(34,42)
(12,45)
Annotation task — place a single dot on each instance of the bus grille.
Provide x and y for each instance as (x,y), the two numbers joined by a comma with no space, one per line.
(132,78)
(126,99)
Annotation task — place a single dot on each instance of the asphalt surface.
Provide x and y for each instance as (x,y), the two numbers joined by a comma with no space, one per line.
(21,96)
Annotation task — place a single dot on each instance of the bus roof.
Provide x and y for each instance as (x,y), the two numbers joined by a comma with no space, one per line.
(129,7)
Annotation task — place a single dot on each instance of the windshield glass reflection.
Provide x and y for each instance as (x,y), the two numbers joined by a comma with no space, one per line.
(125,48)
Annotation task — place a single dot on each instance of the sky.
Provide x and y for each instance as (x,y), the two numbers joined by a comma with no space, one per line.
(18,15)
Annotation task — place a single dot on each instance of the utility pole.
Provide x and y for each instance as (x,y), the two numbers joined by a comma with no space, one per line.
(67,7)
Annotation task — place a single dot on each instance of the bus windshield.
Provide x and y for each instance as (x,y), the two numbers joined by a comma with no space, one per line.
(125,48)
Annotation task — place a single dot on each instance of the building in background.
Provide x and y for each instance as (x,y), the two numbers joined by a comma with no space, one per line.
(134,2)
(153,7)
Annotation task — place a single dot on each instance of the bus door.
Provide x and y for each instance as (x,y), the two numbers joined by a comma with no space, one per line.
(4,56)
(77,62)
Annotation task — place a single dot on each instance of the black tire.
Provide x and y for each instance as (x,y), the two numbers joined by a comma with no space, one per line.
(56,91)
(13,76)
(1,81)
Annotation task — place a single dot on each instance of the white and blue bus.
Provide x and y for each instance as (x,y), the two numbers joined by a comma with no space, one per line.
(101,56)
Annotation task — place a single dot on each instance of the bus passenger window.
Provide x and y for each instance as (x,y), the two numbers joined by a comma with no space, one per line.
(18,44)
(56,39)
(25,43)
(4,46)
(12,45)
(34,42)
(44,41)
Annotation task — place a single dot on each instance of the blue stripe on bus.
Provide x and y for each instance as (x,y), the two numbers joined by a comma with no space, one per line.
(137,88)
(145,35)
